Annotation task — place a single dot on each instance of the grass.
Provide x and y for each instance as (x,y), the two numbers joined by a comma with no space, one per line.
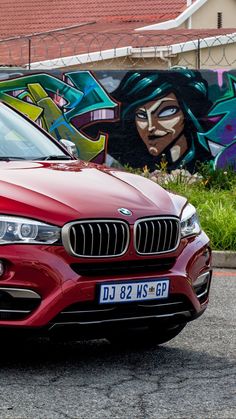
(217,212)
(213,195)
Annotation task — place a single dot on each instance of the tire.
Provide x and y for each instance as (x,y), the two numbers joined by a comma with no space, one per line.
(144,338)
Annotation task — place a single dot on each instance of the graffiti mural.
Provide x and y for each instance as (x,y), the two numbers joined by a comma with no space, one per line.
(221,138)
(187,116)
(162,113)
(134,117)
(63,107)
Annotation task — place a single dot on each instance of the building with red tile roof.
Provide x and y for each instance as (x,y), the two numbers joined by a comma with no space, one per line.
(65,33)
(24,17)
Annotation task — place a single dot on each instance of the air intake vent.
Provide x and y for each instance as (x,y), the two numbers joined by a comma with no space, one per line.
(96,238)
(157,235)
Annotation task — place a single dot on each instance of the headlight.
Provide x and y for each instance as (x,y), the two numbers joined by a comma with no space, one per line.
(24,230)
(190,223)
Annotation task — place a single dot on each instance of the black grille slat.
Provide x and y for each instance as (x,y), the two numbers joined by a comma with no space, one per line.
(157,235)
(84,238)
(108,238)
(123,241)
(73,236)
(165,236)
(92,238)
(115,241)
(170,233)
(100,239)
(153,235)
(97,238)
(175,235)
(138,234)
(146,237)
(154,266)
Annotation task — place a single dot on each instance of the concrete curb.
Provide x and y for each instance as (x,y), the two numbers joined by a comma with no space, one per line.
(225,259)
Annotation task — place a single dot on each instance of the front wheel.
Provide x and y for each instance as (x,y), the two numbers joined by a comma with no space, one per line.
(150,336)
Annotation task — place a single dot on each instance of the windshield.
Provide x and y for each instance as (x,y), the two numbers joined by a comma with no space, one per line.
(21,140)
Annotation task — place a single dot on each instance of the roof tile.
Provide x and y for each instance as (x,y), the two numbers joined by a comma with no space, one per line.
(24,17)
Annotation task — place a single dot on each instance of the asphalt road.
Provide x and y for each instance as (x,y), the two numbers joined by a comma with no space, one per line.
(192,377)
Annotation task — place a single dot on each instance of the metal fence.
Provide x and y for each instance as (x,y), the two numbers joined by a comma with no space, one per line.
(58,49)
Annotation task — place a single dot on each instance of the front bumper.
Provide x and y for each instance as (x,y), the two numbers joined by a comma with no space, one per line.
(58,290)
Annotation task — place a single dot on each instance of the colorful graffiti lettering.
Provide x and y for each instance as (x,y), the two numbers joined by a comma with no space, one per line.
(63,107)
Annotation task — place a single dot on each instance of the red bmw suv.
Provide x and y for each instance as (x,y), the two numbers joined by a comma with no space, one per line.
(92,251)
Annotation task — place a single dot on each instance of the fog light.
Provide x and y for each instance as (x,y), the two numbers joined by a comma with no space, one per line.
(2,268)
(201,285)
(202,279)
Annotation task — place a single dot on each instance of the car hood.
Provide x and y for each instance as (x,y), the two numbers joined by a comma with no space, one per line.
(58,192)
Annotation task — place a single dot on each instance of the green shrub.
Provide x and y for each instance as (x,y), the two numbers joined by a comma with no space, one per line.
(217,212)
(213,193)
(224,179)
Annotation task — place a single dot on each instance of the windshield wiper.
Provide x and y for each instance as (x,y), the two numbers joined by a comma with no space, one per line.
(11,158)
(54,157)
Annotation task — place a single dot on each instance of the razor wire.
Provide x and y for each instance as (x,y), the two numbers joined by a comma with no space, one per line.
(119,50)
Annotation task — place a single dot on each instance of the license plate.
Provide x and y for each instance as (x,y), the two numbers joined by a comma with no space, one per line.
(123,292)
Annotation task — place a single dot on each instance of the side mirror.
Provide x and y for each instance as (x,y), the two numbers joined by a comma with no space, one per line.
(70,146)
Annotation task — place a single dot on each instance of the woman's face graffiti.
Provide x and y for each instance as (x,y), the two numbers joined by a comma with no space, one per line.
(160,124)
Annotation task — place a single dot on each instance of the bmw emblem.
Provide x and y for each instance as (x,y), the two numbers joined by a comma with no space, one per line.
(124,211)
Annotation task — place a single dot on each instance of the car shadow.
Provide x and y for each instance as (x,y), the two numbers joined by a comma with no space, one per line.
(42,353)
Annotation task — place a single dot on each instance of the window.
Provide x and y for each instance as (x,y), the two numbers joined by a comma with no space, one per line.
(219,20)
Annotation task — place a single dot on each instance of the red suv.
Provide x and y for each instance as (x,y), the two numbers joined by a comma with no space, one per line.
(92,251)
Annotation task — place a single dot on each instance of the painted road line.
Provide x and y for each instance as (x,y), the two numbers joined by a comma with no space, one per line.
(224,273)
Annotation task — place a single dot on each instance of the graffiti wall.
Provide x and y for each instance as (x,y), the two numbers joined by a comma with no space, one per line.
(135,117)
